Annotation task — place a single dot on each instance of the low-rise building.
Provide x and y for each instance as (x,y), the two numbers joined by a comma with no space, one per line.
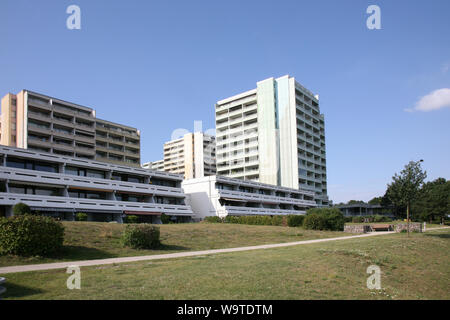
(221,196)
(61,186)
(363,209)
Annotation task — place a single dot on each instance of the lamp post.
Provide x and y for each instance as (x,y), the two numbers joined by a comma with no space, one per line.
(408,205)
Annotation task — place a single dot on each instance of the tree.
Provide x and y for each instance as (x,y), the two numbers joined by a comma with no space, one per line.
(375,201)
(406,186)
(433,201)
(355,202)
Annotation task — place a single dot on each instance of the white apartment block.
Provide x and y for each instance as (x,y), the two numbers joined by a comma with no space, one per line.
(61,186)
(192,156)
(222,196)
(155,165)
(273,134)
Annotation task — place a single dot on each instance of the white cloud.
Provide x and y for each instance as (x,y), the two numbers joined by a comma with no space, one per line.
(435,100)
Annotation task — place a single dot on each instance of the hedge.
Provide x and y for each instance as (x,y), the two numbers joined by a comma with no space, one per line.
(141,236)
(324,219)
(29,235)
(213,219)
(256,220)
(295,220)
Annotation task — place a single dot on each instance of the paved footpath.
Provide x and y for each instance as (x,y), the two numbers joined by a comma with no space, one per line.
(97,262)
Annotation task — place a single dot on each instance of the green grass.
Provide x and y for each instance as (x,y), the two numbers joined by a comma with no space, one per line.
(412,268)
(96,240)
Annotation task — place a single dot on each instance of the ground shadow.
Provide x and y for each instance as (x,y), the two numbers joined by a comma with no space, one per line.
(170,247)
(84,253)
(439,235)
(18,291)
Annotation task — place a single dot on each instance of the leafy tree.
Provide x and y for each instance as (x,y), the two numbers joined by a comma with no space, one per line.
(375,201)
(433,201)
(405,186)
(355,202)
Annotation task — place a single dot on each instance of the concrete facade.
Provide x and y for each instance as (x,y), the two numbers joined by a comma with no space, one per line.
(221,196)
(273,134)
(38,122)
(192,156)
(61,186)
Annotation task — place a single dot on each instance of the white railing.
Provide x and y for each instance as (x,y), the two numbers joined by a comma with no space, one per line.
(78,204)
(264,198)
(260,211)
(23,175)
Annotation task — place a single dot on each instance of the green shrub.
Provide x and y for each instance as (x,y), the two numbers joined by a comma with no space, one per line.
(348,219)
(324,219)
(165,219)
(277,220)
(314,221)
(132,219)
(381,218)
(81,216)
(21,209)
(141,236)
(295,220)
(358,219)
(28,235)
(213,219)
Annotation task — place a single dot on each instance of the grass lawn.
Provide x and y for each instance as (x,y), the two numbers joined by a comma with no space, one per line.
(96,240)
(412,268)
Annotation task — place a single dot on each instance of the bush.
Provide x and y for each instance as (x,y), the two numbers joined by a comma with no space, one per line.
(324,219)
(81,216)
(21,209)
(141,236)
(255,220)
(165,219)
(357,219)
(295,220)
(213,219)
(132,219)
(380,218)
(27,235)
(278,220)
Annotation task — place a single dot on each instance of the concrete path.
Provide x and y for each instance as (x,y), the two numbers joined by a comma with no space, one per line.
(97,262)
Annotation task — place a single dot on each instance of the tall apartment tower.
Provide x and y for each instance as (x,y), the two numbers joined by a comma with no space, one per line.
(274,134)
(193,156)
(38,122)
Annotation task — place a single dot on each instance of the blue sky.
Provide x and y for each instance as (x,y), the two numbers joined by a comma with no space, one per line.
(165,63)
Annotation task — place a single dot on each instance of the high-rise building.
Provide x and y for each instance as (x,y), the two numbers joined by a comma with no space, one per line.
(193,156)
(273,134)
(38,122)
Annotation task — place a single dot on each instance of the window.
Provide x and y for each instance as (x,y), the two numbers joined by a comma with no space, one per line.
(83,172)
(40,191)
(31,165)
(14,101)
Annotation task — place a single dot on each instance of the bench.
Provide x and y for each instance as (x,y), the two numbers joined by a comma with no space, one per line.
(381,227)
